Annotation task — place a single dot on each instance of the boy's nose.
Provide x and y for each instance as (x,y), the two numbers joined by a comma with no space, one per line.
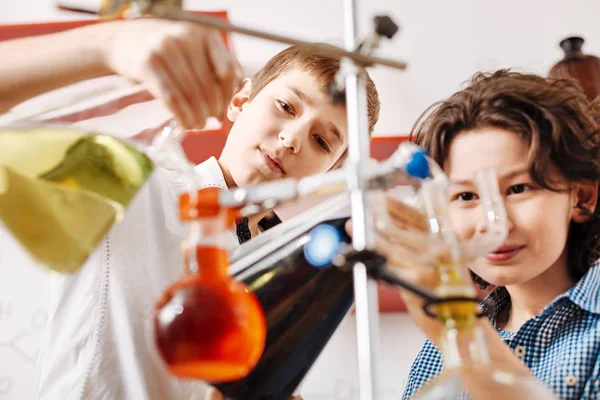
(481,226)
(291,139)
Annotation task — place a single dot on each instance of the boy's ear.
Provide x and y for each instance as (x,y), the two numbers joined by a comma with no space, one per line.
(240,97)
(586,198)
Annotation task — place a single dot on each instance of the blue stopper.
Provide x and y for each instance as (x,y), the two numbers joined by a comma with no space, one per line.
(323,245)
(418,167)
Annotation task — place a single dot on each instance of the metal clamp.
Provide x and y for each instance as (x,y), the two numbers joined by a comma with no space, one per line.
(384,27)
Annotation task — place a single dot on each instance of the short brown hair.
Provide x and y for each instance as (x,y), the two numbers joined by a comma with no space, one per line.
(322,67)
(555,119)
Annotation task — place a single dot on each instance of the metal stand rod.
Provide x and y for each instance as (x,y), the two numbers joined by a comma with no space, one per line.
(365,295)
(167,12)
(365,290)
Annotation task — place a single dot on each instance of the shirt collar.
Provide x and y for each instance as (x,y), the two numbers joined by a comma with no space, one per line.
(494,302)
(211,174)
(586,293)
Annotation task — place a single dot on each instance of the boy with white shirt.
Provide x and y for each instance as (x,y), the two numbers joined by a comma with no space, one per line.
(97,344)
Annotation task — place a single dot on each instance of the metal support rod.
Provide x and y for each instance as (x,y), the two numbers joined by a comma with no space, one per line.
(365,290)
(167,12)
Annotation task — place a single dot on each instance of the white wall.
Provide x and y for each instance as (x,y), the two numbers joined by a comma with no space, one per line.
(444,42)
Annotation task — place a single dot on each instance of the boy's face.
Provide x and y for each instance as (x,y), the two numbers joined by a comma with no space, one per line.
(289,129)
(538,219)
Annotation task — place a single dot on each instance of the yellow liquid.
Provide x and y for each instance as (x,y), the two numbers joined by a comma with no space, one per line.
(61,190)
(456,314)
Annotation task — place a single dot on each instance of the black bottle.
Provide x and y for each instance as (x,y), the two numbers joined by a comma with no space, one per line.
(303,306)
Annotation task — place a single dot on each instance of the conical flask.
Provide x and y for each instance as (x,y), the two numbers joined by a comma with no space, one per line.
(63,188)
(303,306)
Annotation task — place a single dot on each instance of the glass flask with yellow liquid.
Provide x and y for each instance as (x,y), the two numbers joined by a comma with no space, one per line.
(62,188)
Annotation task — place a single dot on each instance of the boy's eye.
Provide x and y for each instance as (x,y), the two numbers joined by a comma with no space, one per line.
(322,143)
(465,196)
(518,189)
(285,107)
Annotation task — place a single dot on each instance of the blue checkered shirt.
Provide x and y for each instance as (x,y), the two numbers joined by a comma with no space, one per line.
(561,345)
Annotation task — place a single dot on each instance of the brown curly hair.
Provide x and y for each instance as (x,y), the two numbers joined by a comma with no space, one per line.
(555,119)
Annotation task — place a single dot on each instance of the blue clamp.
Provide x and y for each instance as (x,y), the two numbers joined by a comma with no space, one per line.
(418,167)
(323,245)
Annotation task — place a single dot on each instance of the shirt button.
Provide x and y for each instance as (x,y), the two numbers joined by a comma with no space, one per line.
(520,351)
(570,380)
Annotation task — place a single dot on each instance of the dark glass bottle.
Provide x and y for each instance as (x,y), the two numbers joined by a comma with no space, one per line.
(584,68)
(303,306)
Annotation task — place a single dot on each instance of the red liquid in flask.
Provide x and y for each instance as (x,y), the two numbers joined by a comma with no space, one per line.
(208,326)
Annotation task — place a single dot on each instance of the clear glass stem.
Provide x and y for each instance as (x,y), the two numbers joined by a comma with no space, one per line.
(464,345)
(166,150)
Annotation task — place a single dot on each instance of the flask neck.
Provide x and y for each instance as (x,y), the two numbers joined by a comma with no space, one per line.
(463,341)
(463,346)
(205,248)
(572,47)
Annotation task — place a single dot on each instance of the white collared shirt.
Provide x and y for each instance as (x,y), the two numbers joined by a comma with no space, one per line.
(97,343)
